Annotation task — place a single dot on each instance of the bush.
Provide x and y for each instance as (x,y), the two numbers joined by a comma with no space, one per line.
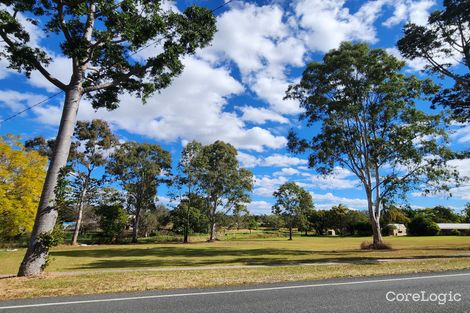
(422,226)
(112,220)
(363,228)
(367,245)
(387,230)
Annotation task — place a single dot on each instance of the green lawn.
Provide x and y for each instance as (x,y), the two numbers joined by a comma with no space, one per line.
(237,252)
(85,270)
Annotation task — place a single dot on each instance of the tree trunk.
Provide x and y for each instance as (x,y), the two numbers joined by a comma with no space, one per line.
(37,253)
(212,235)
(135,230)
(377,234)
(186,235)
(79,217)
(290,232)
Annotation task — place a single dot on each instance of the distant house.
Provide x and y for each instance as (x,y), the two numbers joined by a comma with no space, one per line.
(452,226)
(397,229)
(330,232)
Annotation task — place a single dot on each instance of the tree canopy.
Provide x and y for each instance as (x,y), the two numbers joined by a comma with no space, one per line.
(445,44)
(22,174)
(369,124)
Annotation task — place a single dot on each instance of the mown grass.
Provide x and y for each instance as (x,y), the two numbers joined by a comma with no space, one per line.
(64,285)
(265,251)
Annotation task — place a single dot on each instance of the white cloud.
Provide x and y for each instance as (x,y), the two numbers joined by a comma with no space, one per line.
(326,23)
(265,185)
(274,160)
(287,171)
(259,207)
(340,179)
(462,134)
(186,110)
(326,201)
(416,12)
(261,115)
(17,101)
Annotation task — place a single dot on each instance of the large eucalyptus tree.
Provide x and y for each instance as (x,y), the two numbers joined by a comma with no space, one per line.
(100,37)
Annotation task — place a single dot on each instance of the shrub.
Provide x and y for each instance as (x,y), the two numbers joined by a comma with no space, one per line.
(387,230)
(112,220)
(423,226)
(367,245)
(363,228)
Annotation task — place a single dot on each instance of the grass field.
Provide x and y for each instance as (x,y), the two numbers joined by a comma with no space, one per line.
(77,270)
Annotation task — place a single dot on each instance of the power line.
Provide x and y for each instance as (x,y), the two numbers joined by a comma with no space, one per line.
(221,6)
(30,107)
(133,53)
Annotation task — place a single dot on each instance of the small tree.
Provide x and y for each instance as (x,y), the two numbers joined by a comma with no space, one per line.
(252,224)
(221,181)
(186,187)
(446,36)
(112,220)
(99,37)
(22,173)
(93,140)
(370,125)
(466,212)
(139,168)
(422,226)
(292,202)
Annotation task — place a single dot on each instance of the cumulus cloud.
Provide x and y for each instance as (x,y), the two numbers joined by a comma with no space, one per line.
(327,200)
(274,160)
(340,179)
(259,207)
(261,115)
(186,110)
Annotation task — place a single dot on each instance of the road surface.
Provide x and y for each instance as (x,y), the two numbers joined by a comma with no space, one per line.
(376,294)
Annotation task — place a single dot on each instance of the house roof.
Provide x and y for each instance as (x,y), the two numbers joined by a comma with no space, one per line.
(454,225)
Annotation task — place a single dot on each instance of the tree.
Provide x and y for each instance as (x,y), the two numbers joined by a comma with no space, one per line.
(292,202)
(100,38)
(188,218)
(186,185)
(446,37)
(393,214)
(221,181)
(252,224)
(370,125)
(93,140)
(338,217)
(153,219)
(466,212)
(139,168)
(22,174)
(422,226)
(441,214)
(112,220)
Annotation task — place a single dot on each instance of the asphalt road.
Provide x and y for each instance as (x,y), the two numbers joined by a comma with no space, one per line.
(338,295)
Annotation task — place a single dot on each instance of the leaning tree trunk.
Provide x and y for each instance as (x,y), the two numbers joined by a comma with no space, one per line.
(37,253)
(79,217)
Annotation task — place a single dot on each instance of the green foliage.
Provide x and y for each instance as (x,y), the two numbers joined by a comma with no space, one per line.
(140,168)
(293,203)
(112,220)
(422,226)
(190,216)
(466,212)
(101,35)
(369,124)
(22,174)
(445,37)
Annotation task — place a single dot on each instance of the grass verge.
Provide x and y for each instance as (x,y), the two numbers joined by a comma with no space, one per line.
(65,285)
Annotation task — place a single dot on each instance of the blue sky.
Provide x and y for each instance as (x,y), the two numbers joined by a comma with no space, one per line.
(233,91)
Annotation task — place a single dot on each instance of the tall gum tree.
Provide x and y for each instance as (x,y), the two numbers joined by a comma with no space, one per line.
(368,123)
(99,37)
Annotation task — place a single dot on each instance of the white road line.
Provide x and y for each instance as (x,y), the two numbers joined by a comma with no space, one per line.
(231,291)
